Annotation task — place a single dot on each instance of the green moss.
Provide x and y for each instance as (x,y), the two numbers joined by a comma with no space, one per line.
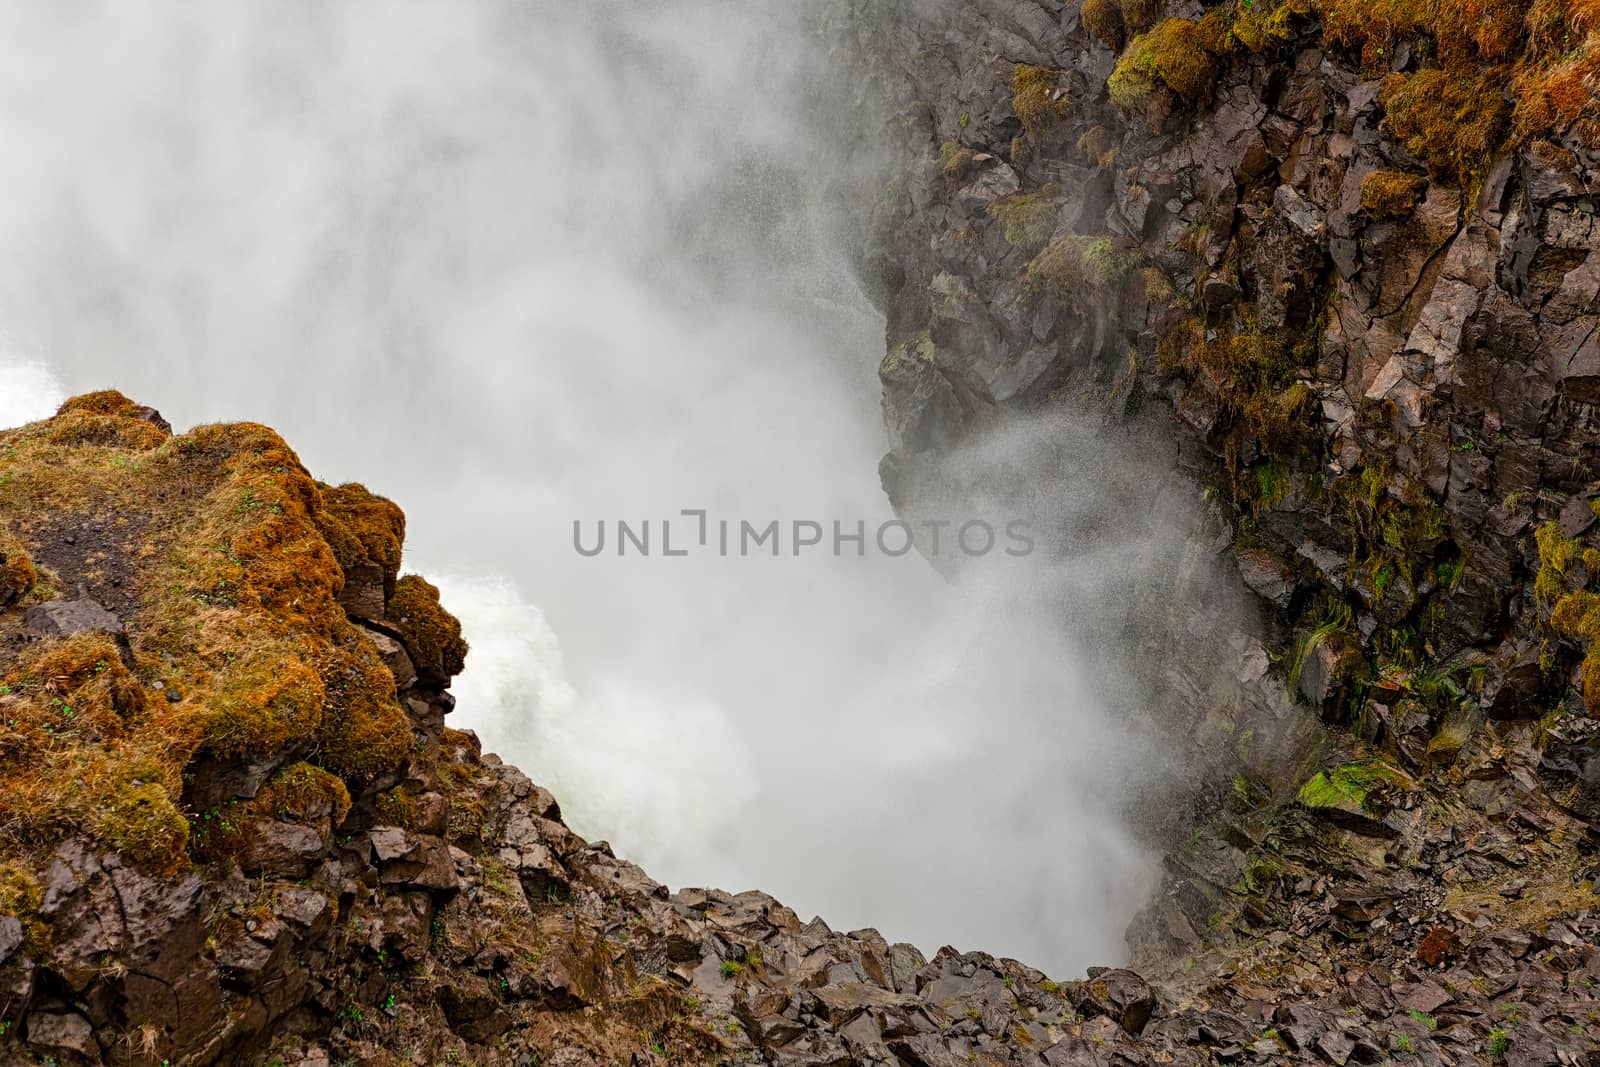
(1251,373)
(1499,1042)
(1080,267)
(139,820)
(954,159)
(1557,554)
(1577,615)
(1037,98)
(1178,54)
(21,895)
(1411,530)
(907,358)
(1336,623)
(1346,787)
(1261,872)
(1029,220)
(1272,486)
(1262,25)
(1453,121)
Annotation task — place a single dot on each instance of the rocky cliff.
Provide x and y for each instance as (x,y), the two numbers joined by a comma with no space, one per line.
(238,830)
(1339,259)
(1330,263)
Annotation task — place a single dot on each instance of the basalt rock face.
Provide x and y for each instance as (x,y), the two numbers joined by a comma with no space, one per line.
(1369,344)
(201,868)
(238,830)
(204,865)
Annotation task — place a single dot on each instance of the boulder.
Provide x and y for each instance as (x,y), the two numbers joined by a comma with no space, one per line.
(63,618)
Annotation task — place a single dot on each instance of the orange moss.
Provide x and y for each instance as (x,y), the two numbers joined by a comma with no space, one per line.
(106,419)
(306,793)
(1453,122)
(235,555)
(1388,194)
(17,575)
(1103,18)
(139,819)
(1546,52)
(261,701)
(431,634)
(364,731)
(1100,146)
(1139,15)
(363,529)
(1037,98)
(1558,86)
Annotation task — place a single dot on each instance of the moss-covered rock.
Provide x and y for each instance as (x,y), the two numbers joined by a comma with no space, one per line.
(1347,790)
(1179,55)
(225,561)
(431,634)
(16,570)
(1388,194)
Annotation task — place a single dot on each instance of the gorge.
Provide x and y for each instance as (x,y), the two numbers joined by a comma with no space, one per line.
(1280,316)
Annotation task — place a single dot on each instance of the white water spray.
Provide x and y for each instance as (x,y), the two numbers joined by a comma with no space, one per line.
(517,264)
(28,391)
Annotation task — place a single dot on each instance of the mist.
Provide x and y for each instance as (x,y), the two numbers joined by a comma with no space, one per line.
(520,265)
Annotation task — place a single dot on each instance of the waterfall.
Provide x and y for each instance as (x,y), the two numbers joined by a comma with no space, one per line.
(518,265)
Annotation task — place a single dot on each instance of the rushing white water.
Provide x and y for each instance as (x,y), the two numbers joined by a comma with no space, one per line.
(520,264)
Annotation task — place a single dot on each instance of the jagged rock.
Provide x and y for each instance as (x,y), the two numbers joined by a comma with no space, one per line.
(282,850)
(1326,670)
(63,1033)
(1270,577)
(363,594)
(395,657)
(1118,994)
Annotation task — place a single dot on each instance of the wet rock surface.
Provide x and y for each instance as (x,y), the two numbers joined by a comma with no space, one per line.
(1390,406)
(1390,854)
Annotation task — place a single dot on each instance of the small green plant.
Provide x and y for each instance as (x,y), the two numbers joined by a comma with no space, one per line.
(1403,1043)
(1499,1042)
(731,968)
(1424,1018)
